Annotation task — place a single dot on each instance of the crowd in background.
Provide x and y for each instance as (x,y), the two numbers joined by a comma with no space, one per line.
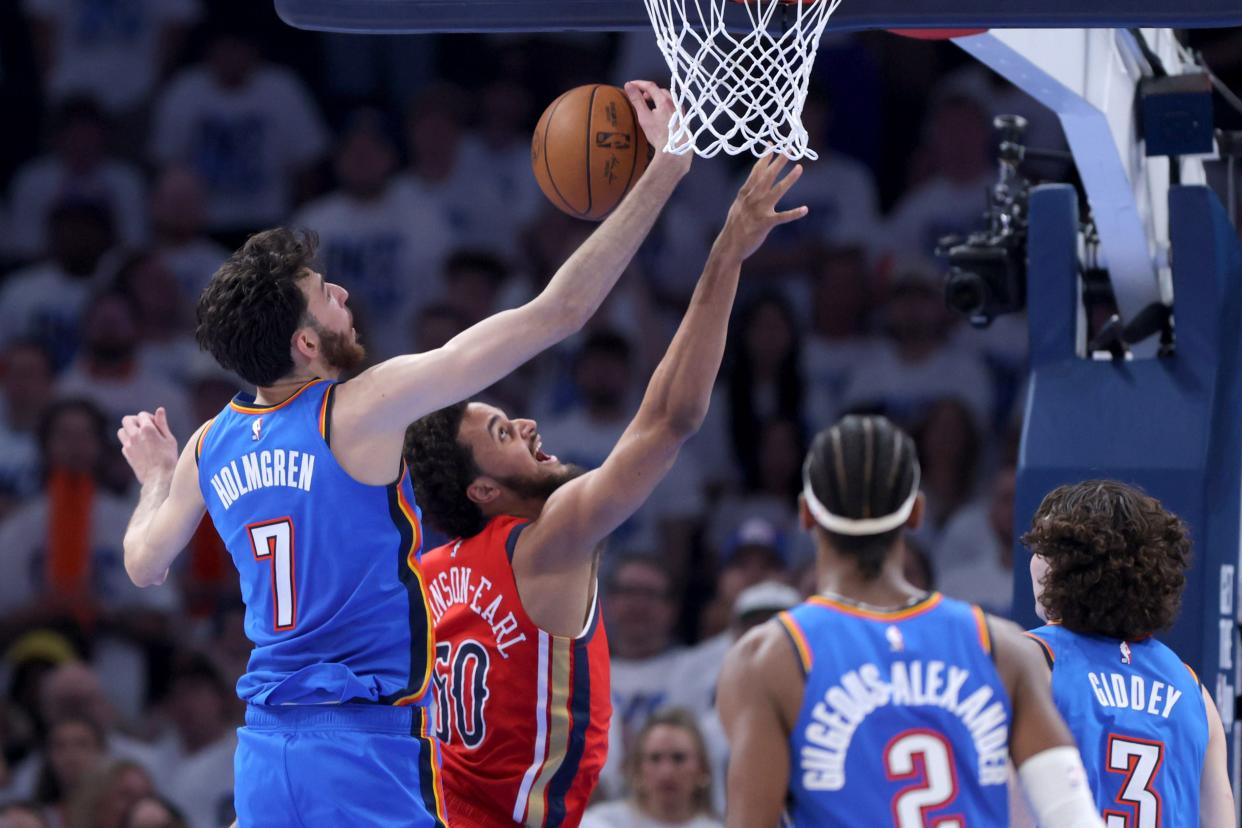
(149,137)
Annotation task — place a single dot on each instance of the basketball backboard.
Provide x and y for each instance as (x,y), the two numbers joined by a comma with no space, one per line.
(408,16)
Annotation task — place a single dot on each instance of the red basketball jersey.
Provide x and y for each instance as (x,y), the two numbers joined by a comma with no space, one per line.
(522,715)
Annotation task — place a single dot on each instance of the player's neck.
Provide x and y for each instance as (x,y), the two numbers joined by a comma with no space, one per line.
(890,589)
(284,388)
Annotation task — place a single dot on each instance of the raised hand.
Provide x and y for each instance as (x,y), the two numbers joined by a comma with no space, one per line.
(655,110)
(753,213)
(148,444)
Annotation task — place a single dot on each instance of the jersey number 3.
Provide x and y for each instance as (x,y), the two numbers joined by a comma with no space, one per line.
(272,540)
(1139,760)
(927,759)
(461,692)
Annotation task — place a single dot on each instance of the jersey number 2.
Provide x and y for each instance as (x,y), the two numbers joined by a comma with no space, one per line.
(926,758)
(1139,760)
(272,540)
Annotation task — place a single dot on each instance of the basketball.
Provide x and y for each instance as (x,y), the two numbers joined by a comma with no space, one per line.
(588,150)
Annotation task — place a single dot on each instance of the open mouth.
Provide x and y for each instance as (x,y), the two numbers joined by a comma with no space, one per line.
(540,457)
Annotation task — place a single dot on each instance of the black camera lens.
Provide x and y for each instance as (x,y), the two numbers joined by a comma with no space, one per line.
(966,293)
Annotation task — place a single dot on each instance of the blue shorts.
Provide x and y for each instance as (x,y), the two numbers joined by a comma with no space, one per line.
(337,765)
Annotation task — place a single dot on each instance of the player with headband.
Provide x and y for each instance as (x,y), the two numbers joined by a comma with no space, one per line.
(875,697)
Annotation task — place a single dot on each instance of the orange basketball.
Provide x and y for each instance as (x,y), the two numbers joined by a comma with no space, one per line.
(588,150)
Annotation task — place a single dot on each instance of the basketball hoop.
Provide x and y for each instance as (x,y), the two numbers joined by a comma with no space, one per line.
(743,92)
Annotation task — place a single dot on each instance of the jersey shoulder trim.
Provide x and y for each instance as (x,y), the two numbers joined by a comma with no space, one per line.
(798,639)
(512,539)
(1045,648)
(240,405)
(202,435)
(325,414)
(981,625)
(1193,674)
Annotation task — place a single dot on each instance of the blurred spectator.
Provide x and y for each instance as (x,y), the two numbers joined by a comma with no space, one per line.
(44,301)
(437,324)
(586,434)
(73,749)
(497,152)
(79,167)
(113,51)
(841,195)
(753,606)
(109,373)
(154,812)
(63,556)
(196,759)
(22,815)
(472,283)
(839,336)
(164,317)
(975,552)
(249,128)
(435,124)
(379,238)
(915,364)
(670,780)
(26,386)
(178,221)
(763,380)
(757,551)
(949,445)
(105,797)
(952,177)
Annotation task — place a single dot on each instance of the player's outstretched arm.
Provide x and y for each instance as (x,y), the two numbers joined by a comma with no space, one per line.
(1216,808)
(170,505)
(582,513)
(1040,744)
(387,398)
(758,696)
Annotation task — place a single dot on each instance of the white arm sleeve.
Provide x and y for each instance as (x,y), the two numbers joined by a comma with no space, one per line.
(1057,791)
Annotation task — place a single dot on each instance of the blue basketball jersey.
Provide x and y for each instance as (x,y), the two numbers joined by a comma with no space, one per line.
(904,720)
(330,572)
(1138,716)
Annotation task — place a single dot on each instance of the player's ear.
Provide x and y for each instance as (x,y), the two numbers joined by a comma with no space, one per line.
(804,514)
(483,490)
(916,514)
(305,343)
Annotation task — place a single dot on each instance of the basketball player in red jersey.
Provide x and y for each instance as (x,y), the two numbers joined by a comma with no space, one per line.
(521,657)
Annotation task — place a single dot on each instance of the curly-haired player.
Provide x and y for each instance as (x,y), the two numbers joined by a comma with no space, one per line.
(305,482)
(521,667)
(1108,566)
(876,703)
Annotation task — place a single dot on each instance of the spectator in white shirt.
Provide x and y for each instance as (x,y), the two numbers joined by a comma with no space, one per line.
(109,372)
(113,51)
(669,776)
(950,445)
(44,301)
(953,173)
(378,236)
(249,128)
(164,317)
(178,221)
(974,557)
(79,167)
(26,383)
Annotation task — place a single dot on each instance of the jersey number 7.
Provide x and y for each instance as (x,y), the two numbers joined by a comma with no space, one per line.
(272,540)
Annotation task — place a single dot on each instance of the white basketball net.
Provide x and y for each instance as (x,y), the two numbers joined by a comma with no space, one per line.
(739,93)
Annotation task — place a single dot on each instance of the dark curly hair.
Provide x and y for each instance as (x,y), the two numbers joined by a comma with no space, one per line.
(1117,559)
(441,468)
(250,309)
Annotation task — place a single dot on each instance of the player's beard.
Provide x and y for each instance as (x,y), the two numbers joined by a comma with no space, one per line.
(341,351)
(541,487)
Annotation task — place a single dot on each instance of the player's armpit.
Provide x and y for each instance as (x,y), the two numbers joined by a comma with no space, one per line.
(1216,808)
(759,682)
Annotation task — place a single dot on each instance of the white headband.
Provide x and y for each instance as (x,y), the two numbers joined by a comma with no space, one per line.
(857,526)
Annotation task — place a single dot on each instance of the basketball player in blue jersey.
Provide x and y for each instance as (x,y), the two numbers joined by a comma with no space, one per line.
(305,483)
(875,703)
(1108,567)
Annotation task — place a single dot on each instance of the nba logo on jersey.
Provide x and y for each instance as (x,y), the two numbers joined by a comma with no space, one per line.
(895,642)
(256,428)
(1125,653)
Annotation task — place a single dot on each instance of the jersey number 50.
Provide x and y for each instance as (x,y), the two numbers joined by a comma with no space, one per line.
(461,692)
(926,758)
